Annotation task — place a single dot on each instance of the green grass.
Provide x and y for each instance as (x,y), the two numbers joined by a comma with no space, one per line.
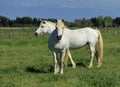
(26,61)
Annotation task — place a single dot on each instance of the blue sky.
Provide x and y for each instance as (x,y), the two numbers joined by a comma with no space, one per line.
(60,9)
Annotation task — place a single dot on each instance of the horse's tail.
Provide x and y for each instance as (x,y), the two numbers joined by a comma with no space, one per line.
(100,48)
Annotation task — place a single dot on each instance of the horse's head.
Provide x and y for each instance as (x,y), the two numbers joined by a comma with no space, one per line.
(43,28)
(60,29)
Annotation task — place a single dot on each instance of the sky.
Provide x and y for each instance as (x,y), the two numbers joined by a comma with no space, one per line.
(60,9)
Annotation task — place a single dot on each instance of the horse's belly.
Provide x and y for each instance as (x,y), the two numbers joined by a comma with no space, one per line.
(77,44)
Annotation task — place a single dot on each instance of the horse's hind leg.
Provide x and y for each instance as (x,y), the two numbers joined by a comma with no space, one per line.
(92,53)
(71,59)
(98,59)
(66,58)
(96,54)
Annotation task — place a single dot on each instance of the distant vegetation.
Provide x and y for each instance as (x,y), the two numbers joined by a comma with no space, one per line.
(104,22)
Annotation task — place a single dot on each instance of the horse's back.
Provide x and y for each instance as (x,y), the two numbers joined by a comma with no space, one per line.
(82,36)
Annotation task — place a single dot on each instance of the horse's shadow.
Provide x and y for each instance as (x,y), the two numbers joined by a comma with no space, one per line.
(33,69)
(49,69)
(81,64)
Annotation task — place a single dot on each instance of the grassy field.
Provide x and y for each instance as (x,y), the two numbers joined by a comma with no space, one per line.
(25,61)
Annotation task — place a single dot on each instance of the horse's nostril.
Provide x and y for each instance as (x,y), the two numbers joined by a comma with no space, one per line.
(59,37)
(36,34)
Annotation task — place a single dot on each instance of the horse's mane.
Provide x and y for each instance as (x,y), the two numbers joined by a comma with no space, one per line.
(62,23)
(50,22)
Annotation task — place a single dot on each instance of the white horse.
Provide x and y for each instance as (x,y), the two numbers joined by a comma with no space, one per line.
(45,27)
(63,38)
(48,27)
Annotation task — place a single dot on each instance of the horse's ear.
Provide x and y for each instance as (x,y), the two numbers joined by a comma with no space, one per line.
(44,22)
(56,20)
(62,20)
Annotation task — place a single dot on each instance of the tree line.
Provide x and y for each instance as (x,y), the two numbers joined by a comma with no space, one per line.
(107,22)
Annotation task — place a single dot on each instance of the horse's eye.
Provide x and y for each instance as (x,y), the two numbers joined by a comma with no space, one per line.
(42,26)
(43,22)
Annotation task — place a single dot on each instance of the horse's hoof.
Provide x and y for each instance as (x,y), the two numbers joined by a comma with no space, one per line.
(61,73)
(74,66)
(98,66)
(55,73)
(90,66)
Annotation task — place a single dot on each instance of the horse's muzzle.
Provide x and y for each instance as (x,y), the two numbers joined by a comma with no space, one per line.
(59,37)
(36,34)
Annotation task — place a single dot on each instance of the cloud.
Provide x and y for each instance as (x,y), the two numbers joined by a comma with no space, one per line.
(27,4)
(21,3)
(69,6)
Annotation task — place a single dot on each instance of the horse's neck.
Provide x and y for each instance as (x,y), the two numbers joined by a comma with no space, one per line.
(51,28)
(68,30)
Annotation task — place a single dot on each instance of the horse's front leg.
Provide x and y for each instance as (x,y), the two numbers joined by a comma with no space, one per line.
(56,66)
(62,54)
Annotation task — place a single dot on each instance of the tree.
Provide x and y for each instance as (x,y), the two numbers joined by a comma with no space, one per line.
(35,22)
(52,20)
(4,21)
(26,20)
(108,21)
(77,22)
(94,22)
(116,22)
(100,21)
(83,22)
